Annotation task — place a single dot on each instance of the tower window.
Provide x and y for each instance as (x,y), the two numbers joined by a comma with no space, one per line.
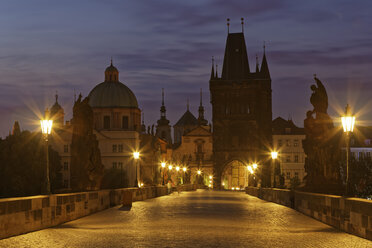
(106,122)
(125,122)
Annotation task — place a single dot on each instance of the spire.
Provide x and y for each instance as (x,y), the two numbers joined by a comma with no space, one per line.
(216,71)
(242,19)
(257,65)
(111,61)
(201,120)
(228,25)
(264,67)
(212,71)
(56,96)
(162,108)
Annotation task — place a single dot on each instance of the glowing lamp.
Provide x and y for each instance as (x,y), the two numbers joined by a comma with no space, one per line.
(177,168)
(163,164)
(136,155)
(170,167)
(274,155)
(199,172)
(184,169)
(254,166)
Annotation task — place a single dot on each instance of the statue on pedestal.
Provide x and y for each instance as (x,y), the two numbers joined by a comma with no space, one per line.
(86,166)
(321,145)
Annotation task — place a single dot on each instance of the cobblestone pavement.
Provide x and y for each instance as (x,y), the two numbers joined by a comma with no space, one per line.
(193,219)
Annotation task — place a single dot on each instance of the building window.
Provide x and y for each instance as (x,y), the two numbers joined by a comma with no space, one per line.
(280,143)
(295,143)
(106,122)
(120,164)
(65,148)
(65,166)
(114,165)
(120,148)
(288,142)
(296,158)
(296,174)
(114,148)
(288,159)
(125,122)
(368,154)
(288,176)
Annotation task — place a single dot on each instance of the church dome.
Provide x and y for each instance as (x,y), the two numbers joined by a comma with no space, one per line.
(112,93)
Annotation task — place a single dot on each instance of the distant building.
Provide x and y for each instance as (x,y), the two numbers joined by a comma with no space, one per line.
(361,143)
(117,126)
(184,125)
(163,129)
(287,140)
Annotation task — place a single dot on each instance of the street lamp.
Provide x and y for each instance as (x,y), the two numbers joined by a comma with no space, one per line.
(136,156)
(274,157)
(184,173)
(163,164)
(46,129)
(348,122)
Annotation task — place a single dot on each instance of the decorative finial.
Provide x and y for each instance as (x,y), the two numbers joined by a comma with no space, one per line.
(242,19)
(212,60)
(228,25)
(162,96)
(264,47)
(201,97)
(111,60)
(56,96)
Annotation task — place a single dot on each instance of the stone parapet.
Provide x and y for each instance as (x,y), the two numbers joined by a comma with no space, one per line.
(352,215)
(25,214)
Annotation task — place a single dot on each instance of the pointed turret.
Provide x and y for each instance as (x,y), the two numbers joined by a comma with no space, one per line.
(16,130)
(163,129)
(212,71)
(57,114)
(264,67)
(257,65)
(201,120)
(216,71)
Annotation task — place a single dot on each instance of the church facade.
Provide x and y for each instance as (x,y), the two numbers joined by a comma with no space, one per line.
(241,115)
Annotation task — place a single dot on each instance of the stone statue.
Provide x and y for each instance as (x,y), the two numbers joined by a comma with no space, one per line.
(86,166)
(321,145)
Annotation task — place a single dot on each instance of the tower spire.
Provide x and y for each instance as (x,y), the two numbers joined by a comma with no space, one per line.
(56,96)
(201,120)
(264,67)
(216,71)
(228,25)
(111,61)
(162,108)
(212,71)
(257,65)
(242,19)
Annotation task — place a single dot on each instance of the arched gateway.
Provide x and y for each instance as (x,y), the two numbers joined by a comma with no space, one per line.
(234,175)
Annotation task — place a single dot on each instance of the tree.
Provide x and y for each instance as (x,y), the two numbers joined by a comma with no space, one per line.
(23,165)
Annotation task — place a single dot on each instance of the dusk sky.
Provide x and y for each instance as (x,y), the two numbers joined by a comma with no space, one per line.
(49,46)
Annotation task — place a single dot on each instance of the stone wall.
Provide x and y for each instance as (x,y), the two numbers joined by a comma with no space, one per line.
(25,214)
(352,215)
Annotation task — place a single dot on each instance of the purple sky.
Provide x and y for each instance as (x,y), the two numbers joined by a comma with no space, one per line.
(65,45)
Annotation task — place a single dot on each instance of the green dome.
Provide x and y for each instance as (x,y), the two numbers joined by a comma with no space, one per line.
(112,95)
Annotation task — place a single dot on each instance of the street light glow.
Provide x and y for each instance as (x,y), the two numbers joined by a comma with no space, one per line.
(250,169)
(46,126)
(210,177)
(170,167)
(136,155)
(177,168)
(274,155)
(199,172)
(254,166)
(163,164)
(184,169)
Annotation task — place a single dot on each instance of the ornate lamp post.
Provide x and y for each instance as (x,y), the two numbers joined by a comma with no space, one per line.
(348,121)
(177,169)
(184,173)
(274,156)
(163,164)
(46,129)
(136,156)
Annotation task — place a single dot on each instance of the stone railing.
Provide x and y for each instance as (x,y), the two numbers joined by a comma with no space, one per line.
(25,214)
(352,215)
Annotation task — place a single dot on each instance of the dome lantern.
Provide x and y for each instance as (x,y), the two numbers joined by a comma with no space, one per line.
(111,74)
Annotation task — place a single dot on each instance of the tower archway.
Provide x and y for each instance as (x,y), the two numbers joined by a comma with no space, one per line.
(234,175)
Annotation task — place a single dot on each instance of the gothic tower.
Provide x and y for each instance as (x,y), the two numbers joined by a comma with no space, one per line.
(163,129)
(241,109)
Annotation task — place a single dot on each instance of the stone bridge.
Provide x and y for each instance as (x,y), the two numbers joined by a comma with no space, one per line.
(202,218)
